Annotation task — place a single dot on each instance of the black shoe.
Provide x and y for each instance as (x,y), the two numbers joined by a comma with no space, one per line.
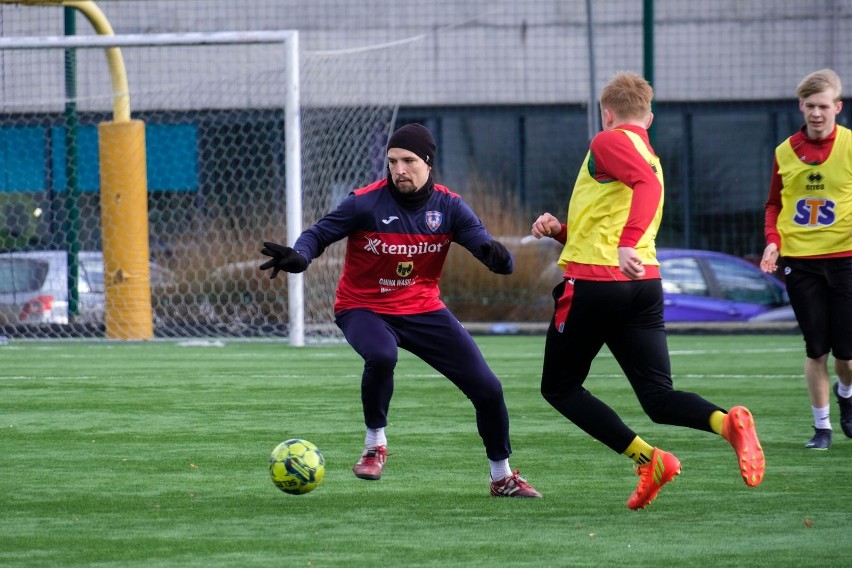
(845,412)
(821,439)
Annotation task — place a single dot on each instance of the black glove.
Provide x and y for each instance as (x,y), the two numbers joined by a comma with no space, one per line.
(283,258)
(497,257)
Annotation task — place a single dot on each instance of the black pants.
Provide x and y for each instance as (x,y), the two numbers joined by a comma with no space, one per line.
(627,317)
(442,342)
(821,295)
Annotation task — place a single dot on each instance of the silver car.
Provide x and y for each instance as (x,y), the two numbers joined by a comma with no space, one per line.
(34,286)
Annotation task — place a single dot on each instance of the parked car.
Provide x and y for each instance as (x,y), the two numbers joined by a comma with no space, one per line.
(34,286)
(700,285)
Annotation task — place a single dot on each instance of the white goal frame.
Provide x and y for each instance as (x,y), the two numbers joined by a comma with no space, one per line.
(289,40)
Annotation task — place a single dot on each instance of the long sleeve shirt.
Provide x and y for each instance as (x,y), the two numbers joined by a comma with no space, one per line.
(394,254)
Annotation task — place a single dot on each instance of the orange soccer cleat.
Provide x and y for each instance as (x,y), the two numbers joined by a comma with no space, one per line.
(662,468)
(738,429)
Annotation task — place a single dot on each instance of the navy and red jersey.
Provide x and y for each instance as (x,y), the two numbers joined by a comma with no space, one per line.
(394,254)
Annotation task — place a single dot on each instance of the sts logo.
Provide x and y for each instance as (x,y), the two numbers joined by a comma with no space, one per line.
(814,211)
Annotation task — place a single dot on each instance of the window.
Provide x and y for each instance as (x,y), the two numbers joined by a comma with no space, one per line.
(741,283)
(683,276)
(21,275)
(91,276)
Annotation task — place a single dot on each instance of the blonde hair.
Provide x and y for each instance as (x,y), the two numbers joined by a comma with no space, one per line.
(820,81)
(628,95)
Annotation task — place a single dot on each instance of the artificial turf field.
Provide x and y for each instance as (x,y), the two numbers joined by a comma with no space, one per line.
(155,454)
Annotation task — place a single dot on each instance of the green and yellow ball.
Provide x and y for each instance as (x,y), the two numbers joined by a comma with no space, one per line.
(296,466)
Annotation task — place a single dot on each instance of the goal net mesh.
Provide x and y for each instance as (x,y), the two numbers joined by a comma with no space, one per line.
(215,152)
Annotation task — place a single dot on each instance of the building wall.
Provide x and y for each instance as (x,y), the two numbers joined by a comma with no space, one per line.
(493,52)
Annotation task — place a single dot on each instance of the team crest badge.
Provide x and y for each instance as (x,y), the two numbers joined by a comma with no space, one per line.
(434,219)
(404,269)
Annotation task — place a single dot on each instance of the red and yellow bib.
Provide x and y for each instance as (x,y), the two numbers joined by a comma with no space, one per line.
(816,200)
(598,212)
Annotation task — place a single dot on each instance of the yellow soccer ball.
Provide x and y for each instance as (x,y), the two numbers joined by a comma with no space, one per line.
(296,466)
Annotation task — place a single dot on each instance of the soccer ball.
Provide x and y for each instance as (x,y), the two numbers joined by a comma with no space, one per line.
(296,466)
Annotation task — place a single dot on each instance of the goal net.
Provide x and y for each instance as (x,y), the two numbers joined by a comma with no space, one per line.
(216,146)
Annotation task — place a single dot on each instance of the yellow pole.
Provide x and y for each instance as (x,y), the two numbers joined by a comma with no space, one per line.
(117,71)
(121,146)
(124,202)
(124,196)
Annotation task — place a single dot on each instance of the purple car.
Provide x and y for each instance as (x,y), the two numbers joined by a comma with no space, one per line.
(700,285)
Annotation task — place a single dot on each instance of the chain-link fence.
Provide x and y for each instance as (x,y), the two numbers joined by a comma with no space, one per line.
(507,87)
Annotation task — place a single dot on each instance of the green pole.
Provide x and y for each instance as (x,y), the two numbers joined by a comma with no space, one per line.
(72,188)
(648,51)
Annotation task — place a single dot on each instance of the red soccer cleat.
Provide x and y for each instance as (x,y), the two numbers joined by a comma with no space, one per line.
(371,463)
(513,486)
(652,476)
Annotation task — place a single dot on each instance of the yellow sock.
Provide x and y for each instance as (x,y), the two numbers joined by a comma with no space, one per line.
(716,421)
(639,451)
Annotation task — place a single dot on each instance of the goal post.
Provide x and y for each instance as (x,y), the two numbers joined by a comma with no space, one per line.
(293,167)
(121,149)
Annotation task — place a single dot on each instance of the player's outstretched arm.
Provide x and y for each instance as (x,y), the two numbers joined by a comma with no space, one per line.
(282,258)
(497,257)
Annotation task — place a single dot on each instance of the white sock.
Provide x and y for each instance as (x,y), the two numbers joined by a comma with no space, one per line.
(375,437)
(843,390)
(821,418)
(500,469)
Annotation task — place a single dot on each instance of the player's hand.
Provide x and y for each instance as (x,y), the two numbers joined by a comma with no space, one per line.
(497,257)
(629,263)
(546,226)
(769,262)
(283,258)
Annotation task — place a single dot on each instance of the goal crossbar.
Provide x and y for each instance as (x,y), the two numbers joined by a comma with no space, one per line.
(147,40)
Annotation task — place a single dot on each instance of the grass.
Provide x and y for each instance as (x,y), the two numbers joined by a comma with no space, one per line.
(155,454)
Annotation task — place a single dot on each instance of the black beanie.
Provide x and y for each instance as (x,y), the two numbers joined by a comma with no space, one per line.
(415,138)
